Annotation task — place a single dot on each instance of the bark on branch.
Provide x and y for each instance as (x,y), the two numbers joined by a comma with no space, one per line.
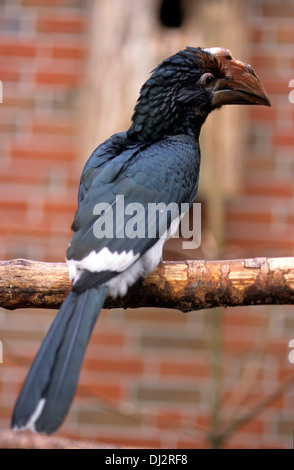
(186,286)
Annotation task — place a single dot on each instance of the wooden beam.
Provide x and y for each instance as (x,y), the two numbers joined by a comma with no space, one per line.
(185,286)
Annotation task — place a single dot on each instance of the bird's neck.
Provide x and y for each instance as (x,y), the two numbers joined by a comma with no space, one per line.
(190,123)
(156,124)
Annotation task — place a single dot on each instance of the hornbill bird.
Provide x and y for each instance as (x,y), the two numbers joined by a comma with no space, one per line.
(156,161)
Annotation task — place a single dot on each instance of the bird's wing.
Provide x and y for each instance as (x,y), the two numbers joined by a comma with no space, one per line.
(125,185)
(99,158)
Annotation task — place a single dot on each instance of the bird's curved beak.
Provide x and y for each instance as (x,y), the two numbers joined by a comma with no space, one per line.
(240,84)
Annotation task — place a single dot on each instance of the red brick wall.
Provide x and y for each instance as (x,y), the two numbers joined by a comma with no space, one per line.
(42,47)
(148,375)
(259,222)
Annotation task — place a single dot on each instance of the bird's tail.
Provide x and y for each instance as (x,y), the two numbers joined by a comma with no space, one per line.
(52,380)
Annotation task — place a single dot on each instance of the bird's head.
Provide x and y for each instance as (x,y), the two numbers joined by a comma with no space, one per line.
(187,86)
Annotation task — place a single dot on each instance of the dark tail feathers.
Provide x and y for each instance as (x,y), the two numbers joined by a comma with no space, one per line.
(52,380)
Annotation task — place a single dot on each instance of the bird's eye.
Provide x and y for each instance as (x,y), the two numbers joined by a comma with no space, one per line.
(206,79)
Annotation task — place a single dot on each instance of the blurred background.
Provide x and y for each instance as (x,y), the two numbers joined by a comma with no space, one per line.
(71,73)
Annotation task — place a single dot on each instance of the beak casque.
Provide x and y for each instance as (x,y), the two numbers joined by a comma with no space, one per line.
(240,84)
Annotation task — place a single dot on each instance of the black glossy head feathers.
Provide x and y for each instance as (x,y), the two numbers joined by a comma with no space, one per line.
(186,87)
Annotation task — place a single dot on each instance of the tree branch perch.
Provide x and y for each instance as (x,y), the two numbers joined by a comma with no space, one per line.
(186,285)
